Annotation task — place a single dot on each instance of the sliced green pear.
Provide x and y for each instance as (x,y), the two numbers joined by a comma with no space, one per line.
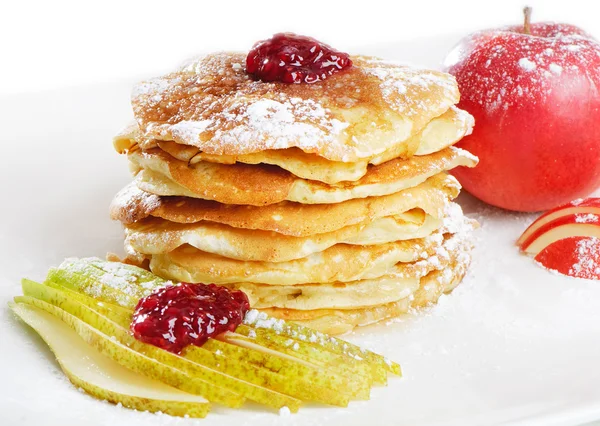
(90,283)
(276,362)
(123,285)
(107,281)
(138,362)
(205,373)
(302,350)
(105,308)
(233,360)
(295,331)
(283,375)
(101,376)
(138,282)
(359,379)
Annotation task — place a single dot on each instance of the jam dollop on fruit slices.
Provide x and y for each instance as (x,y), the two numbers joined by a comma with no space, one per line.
(176,316)
(291,58)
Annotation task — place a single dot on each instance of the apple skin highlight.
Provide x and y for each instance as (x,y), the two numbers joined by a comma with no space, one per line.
(536,102)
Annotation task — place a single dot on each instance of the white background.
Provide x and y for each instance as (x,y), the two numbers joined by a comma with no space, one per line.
(511,344)
(52,44)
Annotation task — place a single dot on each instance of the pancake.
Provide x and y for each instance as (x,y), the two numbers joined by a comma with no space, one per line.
(340,321)
(131,205)
(212,104)
(402,281)
(260,185)
(440,133)
(353,295)
(341,262)
(156,236)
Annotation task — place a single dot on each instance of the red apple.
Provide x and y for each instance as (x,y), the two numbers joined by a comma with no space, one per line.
(574,225)
(535,96)
(584,209)
(574,256)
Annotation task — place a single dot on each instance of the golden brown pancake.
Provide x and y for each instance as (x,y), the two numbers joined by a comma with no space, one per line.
(440,133)
(157,236)
(341,262)
(132,205)
(260,185)
(212,104)
(402,281)
(340,321)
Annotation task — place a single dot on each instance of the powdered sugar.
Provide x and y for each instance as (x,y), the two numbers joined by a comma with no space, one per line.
(527,65)
(278,119)
(588,255)
(587,218)
(555,69)
(131,203)
(398,86)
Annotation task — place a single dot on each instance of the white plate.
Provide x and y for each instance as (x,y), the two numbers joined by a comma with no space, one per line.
(512,344)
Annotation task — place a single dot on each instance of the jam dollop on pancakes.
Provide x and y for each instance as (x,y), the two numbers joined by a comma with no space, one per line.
(176,316)
(292,58)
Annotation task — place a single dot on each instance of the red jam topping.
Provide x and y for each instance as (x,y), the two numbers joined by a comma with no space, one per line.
(292,58)
(176,316)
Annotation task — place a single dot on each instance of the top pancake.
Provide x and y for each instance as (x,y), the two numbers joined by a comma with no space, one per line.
(438,134)
(212,104)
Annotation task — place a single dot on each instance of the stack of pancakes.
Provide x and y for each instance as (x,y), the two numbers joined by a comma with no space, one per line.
(327,204)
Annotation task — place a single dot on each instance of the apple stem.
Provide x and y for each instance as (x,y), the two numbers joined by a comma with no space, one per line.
(527,21)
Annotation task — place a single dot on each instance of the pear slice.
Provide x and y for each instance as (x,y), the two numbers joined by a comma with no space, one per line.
(333,344)
(315,378)
(105,308)
(359,379)
(302,350)
(89,284)
(221,380)
(137,362)
(102,377)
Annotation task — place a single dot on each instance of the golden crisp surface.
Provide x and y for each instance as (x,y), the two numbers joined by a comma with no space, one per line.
(212,104)
(132,205)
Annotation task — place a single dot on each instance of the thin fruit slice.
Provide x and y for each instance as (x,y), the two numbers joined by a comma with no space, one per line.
(137,362)
(261,320)
(563,227)
(580,208)
(113,282)
(319,381)
(359,379)
(574,256)
(217,381)
(102,377)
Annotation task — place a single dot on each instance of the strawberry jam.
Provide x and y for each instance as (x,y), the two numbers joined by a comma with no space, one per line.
(176,316)
(292,58)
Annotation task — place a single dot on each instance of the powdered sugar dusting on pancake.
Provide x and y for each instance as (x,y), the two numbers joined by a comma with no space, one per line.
(211,103)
